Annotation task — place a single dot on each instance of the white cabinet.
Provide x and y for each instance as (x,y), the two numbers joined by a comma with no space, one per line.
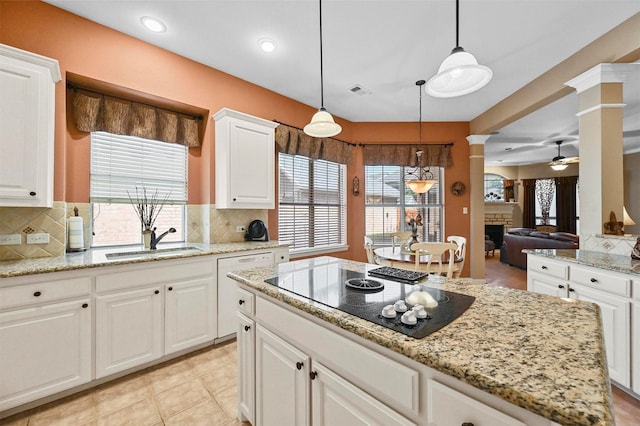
(245,161)
(544,284)
(246,368)
(635,344)
(44,347)
(128,329)
(27,112)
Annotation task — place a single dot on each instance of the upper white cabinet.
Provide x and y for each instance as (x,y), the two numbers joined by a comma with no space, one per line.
(245,161)
(27,112)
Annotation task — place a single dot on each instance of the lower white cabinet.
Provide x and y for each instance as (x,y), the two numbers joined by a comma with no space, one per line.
(43,350)
(541,283)
(128,329)
(635,342)
(246,345)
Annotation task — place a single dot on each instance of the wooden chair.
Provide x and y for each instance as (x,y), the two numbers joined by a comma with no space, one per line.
(402,236)
(461,252)
(436,250)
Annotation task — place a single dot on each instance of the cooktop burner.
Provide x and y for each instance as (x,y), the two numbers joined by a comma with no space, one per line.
(332,286)
(397,274)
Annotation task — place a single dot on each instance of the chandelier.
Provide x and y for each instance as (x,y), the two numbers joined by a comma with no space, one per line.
(418,179)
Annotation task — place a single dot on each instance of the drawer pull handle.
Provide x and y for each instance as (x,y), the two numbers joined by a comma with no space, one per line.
(157,292)
(85,305)
(37,294)
(247,328)
(543,267)
(299,365)
(32,193)
(240,302)
(170,288)
(593,280)
(570,289)
(313,375)
(467,424)
(560,286)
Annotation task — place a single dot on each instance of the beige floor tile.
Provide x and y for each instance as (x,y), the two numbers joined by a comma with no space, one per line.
(142,413)
(219,379)
(227,400)
(122,393)
(180,398)
(17,420)
(170,375)
(69,411)
(205,414)
(220,361)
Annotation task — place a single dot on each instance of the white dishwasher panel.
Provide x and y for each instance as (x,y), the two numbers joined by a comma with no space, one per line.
(227,318)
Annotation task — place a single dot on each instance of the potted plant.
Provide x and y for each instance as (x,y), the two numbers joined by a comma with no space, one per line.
(147,207)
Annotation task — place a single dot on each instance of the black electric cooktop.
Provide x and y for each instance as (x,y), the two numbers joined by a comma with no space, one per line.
(338,288)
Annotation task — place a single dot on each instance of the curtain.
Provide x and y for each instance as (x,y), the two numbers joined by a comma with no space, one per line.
(437,155)
(545,190)
(94,112)
(293,141)
(566,203)
(529,203)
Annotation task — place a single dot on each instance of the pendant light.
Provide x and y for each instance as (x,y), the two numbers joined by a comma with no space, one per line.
(459,74)
(322,124)
(422,184)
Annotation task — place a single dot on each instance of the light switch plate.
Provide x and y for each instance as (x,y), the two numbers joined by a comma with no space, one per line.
(10,239)
(42,238)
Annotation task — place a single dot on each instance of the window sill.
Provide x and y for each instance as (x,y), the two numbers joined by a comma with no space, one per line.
(316,251)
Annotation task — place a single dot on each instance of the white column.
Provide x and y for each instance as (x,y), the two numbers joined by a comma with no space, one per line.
(475,255)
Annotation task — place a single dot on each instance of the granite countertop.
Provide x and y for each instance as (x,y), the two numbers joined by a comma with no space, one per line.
(98,257)
(542,353)
(596,259)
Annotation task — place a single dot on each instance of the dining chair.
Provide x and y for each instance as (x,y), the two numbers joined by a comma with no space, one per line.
(402,236)
(461,252)
(368,246)
(436,250)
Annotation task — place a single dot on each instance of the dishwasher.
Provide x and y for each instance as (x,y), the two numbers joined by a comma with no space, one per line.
(227,303)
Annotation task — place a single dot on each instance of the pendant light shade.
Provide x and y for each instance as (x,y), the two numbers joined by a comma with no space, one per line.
(322,124)
(419,180)
(459,74)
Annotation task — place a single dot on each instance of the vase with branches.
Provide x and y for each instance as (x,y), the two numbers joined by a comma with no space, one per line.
(147,206)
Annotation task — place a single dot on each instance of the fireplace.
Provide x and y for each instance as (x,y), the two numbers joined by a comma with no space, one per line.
(495,233)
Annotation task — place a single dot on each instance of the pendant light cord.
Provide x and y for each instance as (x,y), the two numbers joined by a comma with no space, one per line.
(457,23)
(321,73)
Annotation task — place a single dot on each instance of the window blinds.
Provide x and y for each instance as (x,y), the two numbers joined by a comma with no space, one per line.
(122,164)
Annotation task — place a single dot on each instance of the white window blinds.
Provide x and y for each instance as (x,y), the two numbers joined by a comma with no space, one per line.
(120,164)
(312,203)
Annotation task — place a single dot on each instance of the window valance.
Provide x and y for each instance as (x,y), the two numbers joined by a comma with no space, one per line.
(436,155)
(291,140)
(93,111)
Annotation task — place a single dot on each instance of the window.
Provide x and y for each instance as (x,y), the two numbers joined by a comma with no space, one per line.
(122,164)
(312,204)
(493,187)
(390,205)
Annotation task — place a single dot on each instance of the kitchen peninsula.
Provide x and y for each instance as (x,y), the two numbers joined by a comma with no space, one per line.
(511,358)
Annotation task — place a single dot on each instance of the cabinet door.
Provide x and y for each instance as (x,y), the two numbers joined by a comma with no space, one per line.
(128,329)
(335,401)
(44,350)
(246,348)
(635,349)
(616,319)
(26,129)
(189,314)
(282,382)
(544,284)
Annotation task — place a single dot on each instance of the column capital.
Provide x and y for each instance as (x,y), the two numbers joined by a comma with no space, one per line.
(603,73)
(477,139)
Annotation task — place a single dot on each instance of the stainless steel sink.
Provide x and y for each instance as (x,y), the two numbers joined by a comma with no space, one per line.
(139,254)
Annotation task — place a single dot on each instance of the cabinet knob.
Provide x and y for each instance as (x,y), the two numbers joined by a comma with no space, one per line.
(570,289)
(170,289)
(543,267)
(299,365)
(467,424)
(234,199)
(593,280)
(240,302)
(157,292)
(32,193)
(313,375)
(37,294)
(560,286)
(247,328)
(85,305)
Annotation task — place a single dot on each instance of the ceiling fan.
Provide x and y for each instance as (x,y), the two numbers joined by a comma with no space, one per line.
(560,162)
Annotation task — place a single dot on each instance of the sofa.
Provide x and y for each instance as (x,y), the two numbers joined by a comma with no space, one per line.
(518,239)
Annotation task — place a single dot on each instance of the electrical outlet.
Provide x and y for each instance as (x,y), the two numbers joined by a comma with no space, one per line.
(465,210)
(240,229)
(10,240)
(42,238)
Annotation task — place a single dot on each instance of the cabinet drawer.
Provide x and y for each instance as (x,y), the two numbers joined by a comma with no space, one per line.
(446,406)
(44,292)
(601,280)
(548,267)
(246,302)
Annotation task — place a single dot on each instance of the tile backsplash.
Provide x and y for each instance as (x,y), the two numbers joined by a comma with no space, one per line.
(205,224)
(613,244)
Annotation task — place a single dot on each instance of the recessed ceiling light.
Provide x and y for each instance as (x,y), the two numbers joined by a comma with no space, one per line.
(267,44)
(153,24)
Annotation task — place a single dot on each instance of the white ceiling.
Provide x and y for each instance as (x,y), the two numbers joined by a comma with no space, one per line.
(385,46)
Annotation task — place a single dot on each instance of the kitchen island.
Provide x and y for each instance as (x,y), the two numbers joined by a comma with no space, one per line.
(512,357)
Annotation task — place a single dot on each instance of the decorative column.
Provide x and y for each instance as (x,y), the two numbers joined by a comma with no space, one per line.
(600,105)
(475,250)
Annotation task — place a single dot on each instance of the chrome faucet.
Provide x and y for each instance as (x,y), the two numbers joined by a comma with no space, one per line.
(155,241)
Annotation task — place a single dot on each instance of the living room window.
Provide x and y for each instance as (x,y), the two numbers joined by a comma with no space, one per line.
(494,187)
(390,204)
(312,204)
(124,165)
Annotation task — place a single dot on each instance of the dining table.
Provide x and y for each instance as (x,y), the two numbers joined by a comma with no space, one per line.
(400,257)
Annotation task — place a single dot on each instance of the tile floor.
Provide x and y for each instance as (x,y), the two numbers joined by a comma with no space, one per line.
(196,389)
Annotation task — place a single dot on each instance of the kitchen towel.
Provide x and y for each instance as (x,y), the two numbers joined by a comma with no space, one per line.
(76,233)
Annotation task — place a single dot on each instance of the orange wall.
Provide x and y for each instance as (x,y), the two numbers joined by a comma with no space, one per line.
(92,50)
